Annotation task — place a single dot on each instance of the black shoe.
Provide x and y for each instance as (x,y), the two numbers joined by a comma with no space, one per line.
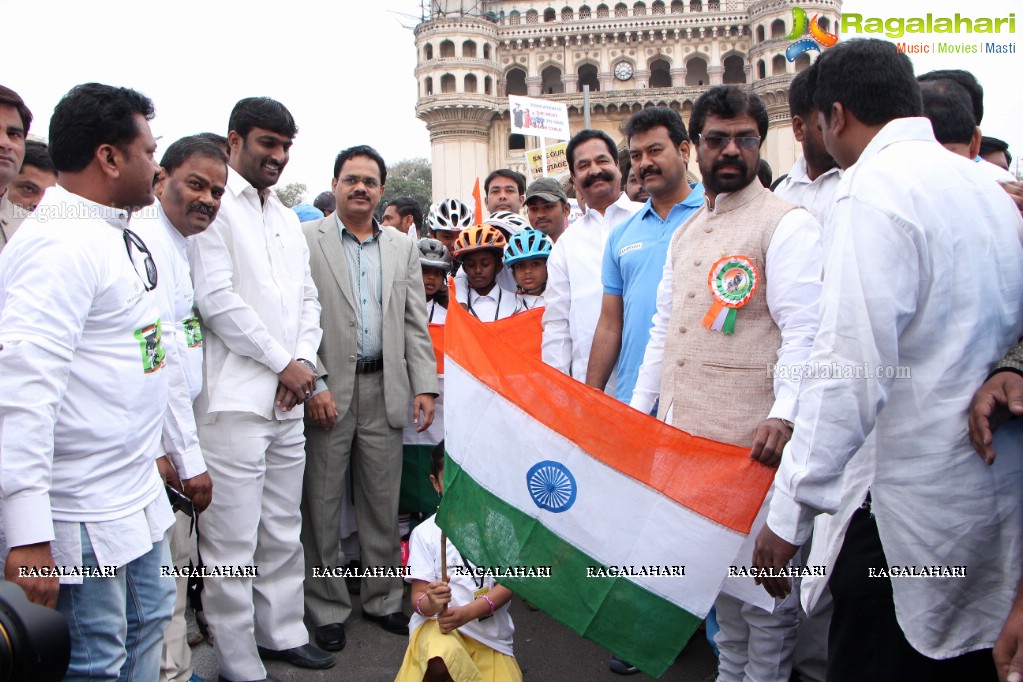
(268,678)
(393,622)
(622,667)
(331,637)
(305,656)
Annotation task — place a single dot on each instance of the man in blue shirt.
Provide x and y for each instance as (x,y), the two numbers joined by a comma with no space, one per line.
(636,250)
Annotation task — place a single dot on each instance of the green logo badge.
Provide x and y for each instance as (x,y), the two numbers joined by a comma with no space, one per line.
(151,345)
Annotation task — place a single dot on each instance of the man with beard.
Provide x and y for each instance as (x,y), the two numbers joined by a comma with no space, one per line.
(261,317)
(635,252)
(547,207)
(813,178)
(739,292)
(83,392)
(574,291)
(376,355)
(193,175)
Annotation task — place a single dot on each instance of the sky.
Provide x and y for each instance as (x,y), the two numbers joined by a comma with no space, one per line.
(344,69)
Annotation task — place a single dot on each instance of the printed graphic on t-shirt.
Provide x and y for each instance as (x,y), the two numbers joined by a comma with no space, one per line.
(151,343)
(193,332)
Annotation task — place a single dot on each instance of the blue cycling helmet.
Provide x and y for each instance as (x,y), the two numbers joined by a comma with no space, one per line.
(528,243)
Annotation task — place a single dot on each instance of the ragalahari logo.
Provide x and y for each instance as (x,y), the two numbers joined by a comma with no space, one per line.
(819,38)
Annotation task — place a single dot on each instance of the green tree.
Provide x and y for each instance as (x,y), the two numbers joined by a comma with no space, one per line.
(409,178)
(291,193)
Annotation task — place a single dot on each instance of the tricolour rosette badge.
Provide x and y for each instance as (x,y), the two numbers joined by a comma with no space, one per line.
(733,280)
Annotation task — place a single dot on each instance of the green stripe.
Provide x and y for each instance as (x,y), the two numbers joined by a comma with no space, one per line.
(417,493)
(636,625)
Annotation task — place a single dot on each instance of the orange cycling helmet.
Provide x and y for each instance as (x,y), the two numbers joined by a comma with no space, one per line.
(477,238)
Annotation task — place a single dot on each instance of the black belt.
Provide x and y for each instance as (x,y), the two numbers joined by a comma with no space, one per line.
(369,366)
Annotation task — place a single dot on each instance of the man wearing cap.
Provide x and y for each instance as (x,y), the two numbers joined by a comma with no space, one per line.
(547,207)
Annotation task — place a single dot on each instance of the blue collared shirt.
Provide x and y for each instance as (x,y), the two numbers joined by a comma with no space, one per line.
(633,261)
(364,274)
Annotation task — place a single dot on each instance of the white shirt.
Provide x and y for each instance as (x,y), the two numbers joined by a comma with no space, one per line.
(424,564)
(496,305)
(793,276)
(435,313)
(816,196)
(505,280)
(257,300)
(574,290)
(996,173)
(182,338)
(83,389)
(926,274)
(524,302)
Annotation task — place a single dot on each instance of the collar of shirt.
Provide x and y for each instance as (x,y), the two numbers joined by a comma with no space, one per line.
(798,174)
(238,186)
(115,217)
(916,128)
(176,238)
(730,201)
(343,230)
(694,200)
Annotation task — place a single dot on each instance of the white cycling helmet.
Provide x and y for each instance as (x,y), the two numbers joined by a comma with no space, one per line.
(451,215)
(507,222)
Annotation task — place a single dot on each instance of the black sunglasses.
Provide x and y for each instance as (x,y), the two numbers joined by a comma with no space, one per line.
(131,239)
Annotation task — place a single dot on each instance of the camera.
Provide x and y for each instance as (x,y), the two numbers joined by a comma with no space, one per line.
(35,645)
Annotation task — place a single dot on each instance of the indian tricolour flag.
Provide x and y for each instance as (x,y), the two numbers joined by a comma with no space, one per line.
(545,471)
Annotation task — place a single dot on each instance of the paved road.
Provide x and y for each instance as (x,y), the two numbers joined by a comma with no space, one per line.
(545,649)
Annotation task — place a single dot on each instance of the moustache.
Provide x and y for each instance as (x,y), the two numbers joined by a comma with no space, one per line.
(735,162)
(359,195)
(652,170)
(597,177)
(201,208)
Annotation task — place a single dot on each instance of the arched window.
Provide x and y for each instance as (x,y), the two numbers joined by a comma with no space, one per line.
(549,15)
(714,5)
(584,12)
(778,28)
(657,7)
(516,141)
(735,70)
(488,86)
(515,82)
(621,10)
(486,50)
(568,15)
(588,76)
(761,69)
(469,50)
(532,17)
(824,23)
(447,83)
(514,18)
(676,7)
(660,74)
(470,83)
(696,71)
(760,34)
(428,51)
(639,9)
(428,86)
(695,6)
(802,61)
(602,11)
(447,49)
(778,65)
(550,81)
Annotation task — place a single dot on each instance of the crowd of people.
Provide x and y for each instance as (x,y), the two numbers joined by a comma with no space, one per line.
(198,384)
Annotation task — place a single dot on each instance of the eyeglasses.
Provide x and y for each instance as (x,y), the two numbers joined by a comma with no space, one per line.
(133,240)
(353,180)
(718,142)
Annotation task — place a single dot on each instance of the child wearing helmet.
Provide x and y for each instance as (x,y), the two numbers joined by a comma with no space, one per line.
(526,254)
(481,249)
(436,263)
(447,219)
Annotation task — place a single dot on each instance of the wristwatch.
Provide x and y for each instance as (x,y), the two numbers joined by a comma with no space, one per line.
(311,366)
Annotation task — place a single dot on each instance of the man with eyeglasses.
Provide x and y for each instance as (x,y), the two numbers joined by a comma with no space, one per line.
(260,316)
(738,295)
(376,354)
(83,392)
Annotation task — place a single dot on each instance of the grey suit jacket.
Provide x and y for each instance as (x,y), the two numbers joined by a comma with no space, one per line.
(409,364)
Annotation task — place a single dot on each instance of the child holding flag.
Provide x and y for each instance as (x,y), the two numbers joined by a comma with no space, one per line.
(481,249)
(526,254)
(460,628)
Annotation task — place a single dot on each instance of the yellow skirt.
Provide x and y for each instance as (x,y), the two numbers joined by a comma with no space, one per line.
(466,659)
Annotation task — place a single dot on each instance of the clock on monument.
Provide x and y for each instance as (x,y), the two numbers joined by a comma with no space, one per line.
(623,70)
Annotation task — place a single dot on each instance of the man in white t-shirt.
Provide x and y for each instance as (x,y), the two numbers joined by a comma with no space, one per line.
(83,391)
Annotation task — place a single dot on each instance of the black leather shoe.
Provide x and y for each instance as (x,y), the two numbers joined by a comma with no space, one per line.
(305,656)
(393,622)
(331,637)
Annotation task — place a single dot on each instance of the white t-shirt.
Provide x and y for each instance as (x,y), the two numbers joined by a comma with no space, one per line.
(424,564)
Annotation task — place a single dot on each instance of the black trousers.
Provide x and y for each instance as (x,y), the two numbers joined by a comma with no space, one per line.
(865,643)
